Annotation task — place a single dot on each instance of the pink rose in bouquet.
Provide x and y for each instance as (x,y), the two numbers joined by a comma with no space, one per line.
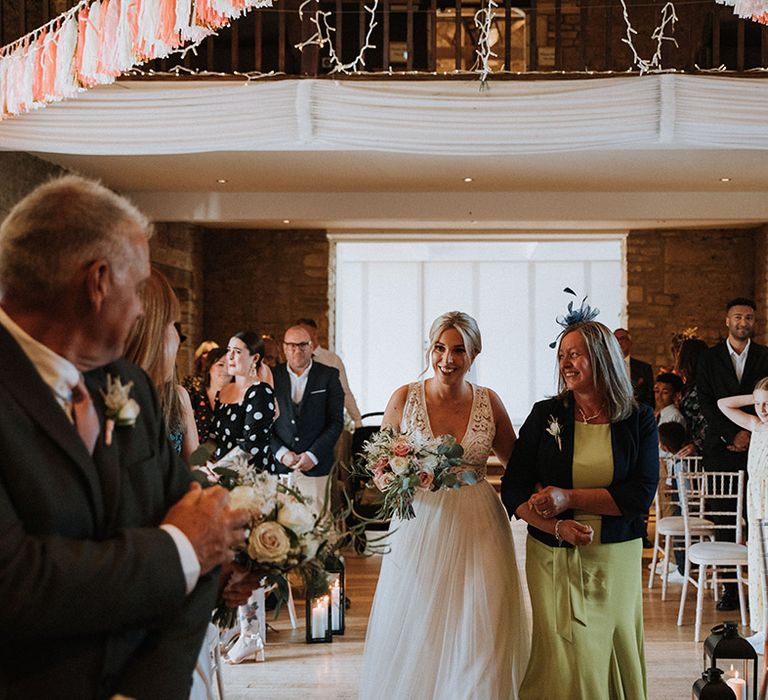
(426,478)
(401,448)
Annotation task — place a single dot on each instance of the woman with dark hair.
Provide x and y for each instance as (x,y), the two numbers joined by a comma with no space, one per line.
(583,474)
(245,409)
(687,362)
(215,376)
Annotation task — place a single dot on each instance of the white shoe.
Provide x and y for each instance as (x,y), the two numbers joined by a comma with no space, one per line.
(246,646)
(671,566)
(675,577)
(757,641)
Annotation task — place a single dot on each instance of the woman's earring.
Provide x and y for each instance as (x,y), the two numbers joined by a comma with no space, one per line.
(253,370)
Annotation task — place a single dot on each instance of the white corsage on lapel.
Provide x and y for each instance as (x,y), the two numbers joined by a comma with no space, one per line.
(555,429)
(121,408)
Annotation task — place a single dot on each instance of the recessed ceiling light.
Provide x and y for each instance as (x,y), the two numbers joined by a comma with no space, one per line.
(468,179)
(725,179)
(221,181)
(286,221)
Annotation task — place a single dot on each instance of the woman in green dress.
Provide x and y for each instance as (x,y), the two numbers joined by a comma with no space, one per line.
(583,474)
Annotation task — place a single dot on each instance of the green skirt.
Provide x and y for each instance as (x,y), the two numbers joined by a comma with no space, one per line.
(587,622)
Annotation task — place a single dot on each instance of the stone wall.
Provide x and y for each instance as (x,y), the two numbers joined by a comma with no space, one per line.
(682,278)
(176,250)
(263,280)
(20,173)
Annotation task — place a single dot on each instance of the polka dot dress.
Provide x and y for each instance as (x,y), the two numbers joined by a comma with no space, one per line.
(247,425)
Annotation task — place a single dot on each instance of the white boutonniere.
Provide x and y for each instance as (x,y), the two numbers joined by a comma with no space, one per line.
(554,429)
(121,408)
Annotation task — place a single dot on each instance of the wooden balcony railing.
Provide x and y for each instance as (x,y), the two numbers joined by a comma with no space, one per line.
(440,36)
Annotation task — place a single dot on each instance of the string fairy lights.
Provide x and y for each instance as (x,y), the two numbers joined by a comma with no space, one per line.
(97,40)
(487,37)
(322,37)
(653,64)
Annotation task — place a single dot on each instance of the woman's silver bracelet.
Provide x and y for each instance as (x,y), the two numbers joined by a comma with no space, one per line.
(557,532)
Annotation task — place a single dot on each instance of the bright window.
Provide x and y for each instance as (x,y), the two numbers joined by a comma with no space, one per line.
(388,294)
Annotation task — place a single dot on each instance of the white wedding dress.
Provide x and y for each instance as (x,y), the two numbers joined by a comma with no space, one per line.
(448,619)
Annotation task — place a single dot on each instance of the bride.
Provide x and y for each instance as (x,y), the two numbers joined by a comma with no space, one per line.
(448,619)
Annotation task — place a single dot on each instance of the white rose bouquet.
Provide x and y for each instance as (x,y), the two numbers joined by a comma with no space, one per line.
(285,533)
(400,465)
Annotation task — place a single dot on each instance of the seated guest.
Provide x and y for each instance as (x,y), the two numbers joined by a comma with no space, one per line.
(194,382)
(152,345)
(667,391)
(215,376)
(641,373)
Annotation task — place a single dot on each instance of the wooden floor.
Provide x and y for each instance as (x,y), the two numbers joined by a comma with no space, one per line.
(295,670)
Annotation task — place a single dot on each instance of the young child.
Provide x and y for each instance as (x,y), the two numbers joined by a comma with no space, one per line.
(667,391)
(671,441)
(757,492)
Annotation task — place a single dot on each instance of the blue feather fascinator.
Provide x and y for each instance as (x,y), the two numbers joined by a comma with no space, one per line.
(584,313)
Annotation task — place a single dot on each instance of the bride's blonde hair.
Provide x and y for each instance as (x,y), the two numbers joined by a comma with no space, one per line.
(465,325)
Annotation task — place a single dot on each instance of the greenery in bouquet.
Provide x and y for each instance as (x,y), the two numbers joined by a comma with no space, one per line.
(401,465)
(285,535)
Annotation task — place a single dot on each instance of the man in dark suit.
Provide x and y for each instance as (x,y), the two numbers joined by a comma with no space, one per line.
(730,368)
(311,401)
(107,555)
(641,373)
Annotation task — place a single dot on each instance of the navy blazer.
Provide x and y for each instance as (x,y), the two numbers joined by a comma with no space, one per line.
(316,425)
(537,458)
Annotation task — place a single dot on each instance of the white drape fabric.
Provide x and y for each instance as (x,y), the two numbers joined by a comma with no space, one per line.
(424,117)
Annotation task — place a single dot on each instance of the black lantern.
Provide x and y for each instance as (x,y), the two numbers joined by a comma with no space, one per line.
(318,618)
(712,687)
(334,566)
(725,649)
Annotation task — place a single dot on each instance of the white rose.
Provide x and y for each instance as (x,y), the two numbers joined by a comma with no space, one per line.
(128,413)
(295,516)
(243,497)
(399,464)
(269,543)
(250,498)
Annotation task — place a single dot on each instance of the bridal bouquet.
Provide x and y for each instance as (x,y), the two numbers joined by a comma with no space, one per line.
(401,465)
(285,533)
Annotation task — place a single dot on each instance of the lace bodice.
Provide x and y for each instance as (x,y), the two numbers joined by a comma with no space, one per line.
(481,429)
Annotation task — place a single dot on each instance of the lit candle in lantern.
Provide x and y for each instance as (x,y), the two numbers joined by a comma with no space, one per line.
(335,604)
(738,686)
(320,617)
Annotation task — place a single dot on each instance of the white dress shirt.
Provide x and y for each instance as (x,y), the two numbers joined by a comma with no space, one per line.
(738,360)
(62,376)
(327,357)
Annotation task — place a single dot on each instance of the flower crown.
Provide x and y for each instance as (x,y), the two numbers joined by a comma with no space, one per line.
(584,313)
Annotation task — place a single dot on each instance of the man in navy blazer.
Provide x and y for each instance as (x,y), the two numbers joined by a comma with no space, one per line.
(730,368)
(107,554)
(311,401)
